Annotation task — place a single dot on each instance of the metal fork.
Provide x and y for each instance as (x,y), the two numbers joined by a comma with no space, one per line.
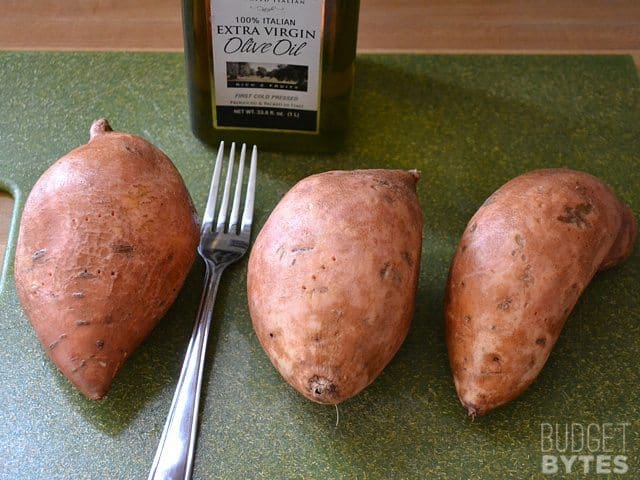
(222,241)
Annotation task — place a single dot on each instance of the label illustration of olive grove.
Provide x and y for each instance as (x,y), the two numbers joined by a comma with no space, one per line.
(267,75)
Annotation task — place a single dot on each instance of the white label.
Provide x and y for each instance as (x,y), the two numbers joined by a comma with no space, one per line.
(267,58)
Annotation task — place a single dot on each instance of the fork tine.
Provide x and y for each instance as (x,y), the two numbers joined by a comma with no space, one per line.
(233,219)
(213,189)
(224,205)
(247,215)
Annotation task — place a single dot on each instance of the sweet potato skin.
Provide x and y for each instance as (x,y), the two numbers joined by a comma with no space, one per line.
(523,261)
(107,237)
(332,279)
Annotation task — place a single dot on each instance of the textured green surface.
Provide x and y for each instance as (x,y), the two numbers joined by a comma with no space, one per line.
(469,123)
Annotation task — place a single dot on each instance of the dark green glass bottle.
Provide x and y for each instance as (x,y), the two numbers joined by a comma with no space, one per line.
(276,73)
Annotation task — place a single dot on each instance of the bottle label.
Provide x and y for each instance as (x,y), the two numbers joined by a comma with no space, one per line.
(267,62)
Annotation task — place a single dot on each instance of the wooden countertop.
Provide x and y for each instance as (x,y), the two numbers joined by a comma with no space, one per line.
(406,25)
(440,26)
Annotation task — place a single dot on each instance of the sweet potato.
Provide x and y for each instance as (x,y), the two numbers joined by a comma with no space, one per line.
(332,279)
(523,261)
(107,237)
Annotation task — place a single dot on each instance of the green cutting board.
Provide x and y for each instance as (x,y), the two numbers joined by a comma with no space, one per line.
(469,123)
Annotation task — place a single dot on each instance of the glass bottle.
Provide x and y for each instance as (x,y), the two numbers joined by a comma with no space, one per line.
(276,73)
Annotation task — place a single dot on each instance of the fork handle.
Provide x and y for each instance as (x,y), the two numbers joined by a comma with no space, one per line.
(174,457)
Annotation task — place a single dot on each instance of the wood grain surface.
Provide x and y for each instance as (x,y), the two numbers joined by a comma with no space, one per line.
(416,25)
(440,26)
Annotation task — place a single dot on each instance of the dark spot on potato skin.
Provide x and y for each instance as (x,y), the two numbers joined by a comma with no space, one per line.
(406,256)
(526,277)
(83,364)
(100,344)
(541,341)
(86,275)
(493,364)
(473,228)
(505,304)
(389,270)
(576,215)
(123,248)
(39,254)
(132,150)
(301,249)
(380,181)
(55,343)
(313,291)
(384,269)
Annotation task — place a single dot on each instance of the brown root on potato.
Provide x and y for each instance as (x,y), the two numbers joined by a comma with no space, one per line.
(99,127)
(332,279)
(519,269)
(323,390)
(107,237)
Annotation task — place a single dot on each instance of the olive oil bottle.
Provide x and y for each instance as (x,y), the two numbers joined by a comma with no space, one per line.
(277,73)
